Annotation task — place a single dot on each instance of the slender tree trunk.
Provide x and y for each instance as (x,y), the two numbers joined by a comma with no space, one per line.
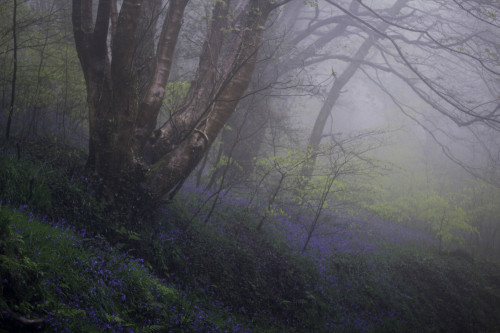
(271,201)
(269,72)
(144,58)
(35,99)
(217,170)
(199,174)
(319,210)
(225,170)
(14,72)
(151,102)
(335,90)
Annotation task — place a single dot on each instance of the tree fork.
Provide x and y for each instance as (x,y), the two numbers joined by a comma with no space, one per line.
(181,161)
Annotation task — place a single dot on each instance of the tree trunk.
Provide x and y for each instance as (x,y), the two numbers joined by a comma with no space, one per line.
(14,72)
(184,139)
(122,121)
(151,102)
(335,90)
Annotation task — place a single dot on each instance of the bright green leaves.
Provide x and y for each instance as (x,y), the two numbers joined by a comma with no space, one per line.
(228,161)
(291,178)
(448,222)
(441,215)
(174,95)
(284,163)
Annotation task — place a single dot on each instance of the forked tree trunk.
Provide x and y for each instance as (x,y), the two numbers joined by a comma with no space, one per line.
(200,123)
(122,122)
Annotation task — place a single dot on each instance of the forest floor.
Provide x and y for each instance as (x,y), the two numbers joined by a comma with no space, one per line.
(176,272)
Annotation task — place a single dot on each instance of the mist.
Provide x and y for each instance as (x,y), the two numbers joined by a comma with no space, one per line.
(250,166)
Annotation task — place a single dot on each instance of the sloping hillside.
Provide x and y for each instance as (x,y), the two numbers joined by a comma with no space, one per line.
(62,270)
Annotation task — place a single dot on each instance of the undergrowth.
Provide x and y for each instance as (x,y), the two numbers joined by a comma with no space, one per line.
(49,177)
(177,272)
(62,282)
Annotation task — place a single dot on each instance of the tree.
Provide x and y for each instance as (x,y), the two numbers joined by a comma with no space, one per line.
(38,51)
(439,50)
(14,71)
(424,46)
(125,148)
(128,149)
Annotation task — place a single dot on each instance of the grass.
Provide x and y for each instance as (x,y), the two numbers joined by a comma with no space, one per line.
(48,176)
(51,272)
(176,273)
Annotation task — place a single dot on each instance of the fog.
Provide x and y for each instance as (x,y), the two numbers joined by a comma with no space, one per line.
(375,95)
(250,165)
(439,89)
(421,78)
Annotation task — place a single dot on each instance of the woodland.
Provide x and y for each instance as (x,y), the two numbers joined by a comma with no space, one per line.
(250,165)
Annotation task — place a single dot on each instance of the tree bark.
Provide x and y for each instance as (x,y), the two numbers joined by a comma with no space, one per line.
(14,72)
(151,103)
(122,123)
(191,132)
(92,52)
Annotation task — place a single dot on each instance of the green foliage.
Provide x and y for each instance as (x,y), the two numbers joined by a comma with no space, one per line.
(24,183)
(128,234)
(480,201)
(46,269)
(19,274)
(49,178)
(448,293)
(435,213)
(343,285)
(231,275)
(48,71)
(227,172)
(278,175)
(458,214)
(174,95)
(446,221)
(244,270)
(226,161)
